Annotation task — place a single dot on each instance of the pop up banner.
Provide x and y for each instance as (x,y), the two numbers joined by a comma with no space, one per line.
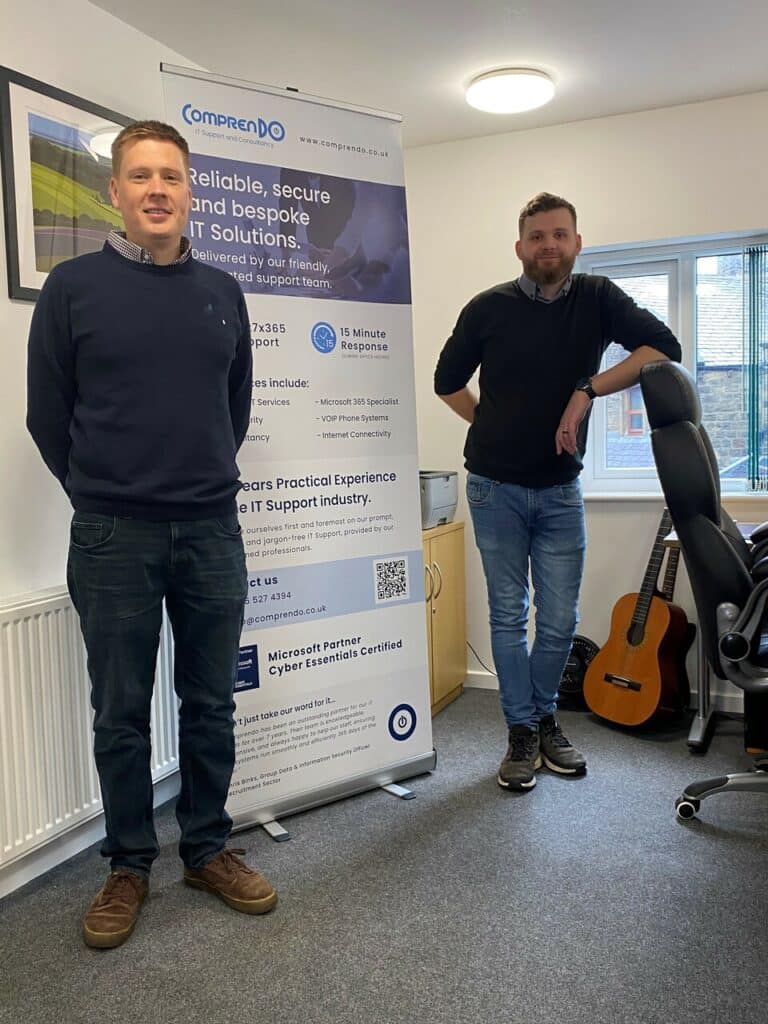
(302,201)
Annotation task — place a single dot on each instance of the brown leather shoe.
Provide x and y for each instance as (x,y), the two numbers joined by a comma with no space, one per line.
(112,916)
(233,881)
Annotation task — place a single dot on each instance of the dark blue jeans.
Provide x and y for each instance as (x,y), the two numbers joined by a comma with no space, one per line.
(119,572)
(538,530)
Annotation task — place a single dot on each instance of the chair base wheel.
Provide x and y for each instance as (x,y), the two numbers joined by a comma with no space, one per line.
(687,807)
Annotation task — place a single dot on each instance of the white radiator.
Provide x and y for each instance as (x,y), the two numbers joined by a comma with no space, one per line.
(48,781)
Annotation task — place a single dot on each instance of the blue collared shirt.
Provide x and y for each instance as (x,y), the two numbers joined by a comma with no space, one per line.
(134,252)
(532,290)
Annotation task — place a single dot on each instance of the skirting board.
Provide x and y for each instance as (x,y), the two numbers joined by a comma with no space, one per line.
(67,845)
(730,701)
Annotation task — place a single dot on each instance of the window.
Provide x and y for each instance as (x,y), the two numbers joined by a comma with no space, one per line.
(714,297)
(633,420)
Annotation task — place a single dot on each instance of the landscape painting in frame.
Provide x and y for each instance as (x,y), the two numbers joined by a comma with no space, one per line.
(56,169)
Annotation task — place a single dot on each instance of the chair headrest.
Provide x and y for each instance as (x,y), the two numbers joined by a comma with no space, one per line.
(669,393)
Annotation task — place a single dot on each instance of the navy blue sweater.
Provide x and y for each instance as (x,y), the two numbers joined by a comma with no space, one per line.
(531,354)
(139,385)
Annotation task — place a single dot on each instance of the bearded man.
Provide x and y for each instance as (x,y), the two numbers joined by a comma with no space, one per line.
(538,341)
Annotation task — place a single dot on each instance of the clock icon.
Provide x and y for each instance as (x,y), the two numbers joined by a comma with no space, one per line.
(323,337)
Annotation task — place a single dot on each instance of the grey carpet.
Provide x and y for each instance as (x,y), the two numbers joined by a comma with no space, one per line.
(584,901)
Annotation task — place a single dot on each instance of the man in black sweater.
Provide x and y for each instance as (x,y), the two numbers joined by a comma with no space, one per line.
(139,396)
(538,341)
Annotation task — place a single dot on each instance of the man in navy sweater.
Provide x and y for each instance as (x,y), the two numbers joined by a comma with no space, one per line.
(538,341)
(139,396)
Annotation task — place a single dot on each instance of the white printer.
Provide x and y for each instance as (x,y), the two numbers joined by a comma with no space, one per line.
(439,495)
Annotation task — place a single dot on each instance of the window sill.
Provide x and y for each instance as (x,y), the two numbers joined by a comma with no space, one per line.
(623,496)
(730,497)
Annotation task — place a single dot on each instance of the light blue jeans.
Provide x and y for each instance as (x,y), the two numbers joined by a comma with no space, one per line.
(541,528)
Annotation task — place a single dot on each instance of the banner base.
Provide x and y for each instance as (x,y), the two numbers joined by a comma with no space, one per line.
(266,816)
(399,791)
(276,831)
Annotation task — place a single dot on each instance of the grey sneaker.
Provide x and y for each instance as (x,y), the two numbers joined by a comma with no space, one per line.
(558,752)
(517,770)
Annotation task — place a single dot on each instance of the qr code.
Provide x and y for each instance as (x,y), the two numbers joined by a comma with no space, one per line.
(391,579)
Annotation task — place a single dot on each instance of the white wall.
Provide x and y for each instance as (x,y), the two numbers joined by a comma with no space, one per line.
(691,170)
(80,49)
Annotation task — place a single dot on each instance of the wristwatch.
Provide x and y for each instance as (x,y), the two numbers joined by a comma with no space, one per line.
(585,385)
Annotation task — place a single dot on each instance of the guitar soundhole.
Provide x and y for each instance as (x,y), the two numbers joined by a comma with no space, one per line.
(635,635)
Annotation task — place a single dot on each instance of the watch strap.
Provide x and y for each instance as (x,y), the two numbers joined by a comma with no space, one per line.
(585,385)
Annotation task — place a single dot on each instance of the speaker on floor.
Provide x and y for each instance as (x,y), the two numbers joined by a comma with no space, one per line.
(571,690)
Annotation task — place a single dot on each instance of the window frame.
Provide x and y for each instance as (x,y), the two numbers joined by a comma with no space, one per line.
(598,475)
(629,411)
(632,260)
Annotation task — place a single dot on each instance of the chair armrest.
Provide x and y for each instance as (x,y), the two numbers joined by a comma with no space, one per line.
(759,533)
(759,551)
(739,632)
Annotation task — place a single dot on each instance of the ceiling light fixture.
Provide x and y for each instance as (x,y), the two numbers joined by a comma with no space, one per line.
(510,90)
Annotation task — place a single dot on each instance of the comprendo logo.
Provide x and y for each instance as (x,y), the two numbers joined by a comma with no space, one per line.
(274,130)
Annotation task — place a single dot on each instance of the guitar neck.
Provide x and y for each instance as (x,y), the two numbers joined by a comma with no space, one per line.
(670,575)
(652,572)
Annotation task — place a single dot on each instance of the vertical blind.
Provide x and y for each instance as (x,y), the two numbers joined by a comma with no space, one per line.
(756,363)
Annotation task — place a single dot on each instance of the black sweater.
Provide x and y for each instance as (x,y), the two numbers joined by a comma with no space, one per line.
(139,385)
(531,354)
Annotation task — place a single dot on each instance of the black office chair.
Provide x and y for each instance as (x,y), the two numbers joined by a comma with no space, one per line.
(729,577)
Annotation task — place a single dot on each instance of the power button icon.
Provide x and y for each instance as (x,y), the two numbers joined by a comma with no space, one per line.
(402,722)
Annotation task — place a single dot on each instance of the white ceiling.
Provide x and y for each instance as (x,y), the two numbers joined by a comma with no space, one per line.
(414,58)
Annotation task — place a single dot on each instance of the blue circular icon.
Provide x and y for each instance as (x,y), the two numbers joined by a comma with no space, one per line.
(402,722)
(323,337)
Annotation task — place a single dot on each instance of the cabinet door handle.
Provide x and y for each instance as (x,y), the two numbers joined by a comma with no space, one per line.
(440,579)
(428,571)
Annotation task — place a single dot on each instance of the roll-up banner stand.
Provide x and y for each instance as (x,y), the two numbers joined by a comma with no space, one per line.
(302,200)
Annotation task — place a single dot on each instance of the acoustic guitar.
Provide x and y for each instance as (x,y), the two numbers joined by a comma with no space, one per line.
(640,670)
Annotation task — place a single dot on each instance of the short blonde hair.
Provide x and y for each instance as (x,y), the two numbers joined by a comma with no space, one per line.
(147,130)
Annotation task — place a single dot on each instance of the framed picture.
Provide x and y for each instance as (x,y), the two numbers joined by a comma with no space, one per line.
(55,169)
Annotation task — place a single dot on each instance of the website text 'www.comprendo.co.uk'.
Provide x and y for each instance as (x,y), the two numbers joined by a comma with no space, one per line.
(343,147)
(293,613)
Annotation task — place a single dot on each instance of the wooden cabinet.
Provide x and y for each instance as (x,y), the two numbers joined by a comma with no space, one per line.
(445,591)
